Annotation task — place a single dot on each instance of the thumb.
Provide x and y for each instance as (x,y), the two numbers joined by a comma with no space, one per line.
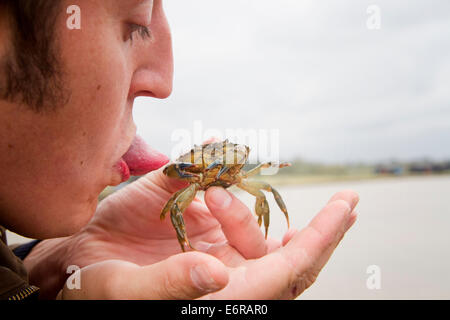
(183,276)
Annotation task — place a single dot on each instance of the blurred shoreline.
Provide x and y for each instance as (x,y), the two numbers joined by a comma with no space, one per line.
(303,172)
(283,180)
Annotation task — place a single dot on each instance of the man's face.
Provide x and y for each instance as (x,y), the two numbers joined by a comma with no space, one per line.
(55,164)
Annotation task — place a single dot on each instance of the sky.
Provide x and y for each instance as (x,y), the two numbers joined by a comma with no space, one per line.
(329,81)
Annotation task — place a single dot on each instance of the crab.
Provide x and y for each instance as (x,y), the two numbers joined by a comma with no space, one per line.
(217,164)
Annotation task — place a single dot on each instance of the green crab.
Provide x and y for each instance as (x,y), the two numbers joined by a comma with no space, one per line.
(217,164)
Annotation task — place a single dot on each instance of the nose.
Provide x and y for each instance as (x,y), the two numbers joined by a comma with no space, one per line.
(153,73)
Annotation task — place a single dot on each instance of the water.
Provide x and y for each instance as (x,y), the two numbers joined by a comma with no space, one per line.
(403,227)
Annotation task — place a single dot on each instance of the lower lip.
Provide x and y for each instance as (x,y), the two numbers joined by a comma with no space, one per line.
(124,170)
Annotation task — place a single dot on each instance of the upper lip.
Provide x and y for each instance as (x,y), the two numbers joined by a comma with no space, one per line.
(133,136)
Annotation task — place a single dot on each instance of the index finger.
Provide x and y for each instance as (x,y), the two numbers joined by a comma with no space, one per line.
(237,223)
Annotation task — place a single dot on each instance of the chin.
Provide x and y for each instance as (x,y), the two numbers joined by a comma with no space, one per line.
(64,225)
(81,220)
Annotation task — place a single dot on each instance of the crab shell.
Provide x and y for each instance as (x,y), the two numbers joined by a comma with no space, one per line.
(216,163)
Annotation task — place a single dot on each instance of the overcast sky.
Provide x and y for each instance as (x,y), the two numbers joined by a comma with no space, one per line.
(335,90)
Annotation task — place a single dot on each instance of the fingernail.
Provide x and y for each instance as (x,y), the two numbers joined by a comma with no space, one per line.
(351,220)
(201,278)
(354,201)
(220,198)
(347,208)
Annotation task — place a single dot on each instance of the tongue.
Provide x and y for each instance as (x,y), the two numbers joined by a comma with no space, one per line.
(142,159)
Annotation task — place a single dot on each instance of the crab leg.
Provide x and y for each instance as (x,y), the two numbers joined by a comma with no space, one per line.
(176,170)
(267,187)
(181,202)
(169,204)
(261,205)
(254,187)
(264,212)
(265,165)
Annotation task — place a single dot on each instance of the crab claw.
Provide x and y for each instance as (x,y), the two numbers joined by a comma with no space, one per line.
(185,165)
(213,164)
(222,171)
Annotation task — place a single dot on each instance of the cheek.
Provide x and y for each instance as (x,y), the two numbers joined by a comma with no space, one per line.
(98,76)
(95,62)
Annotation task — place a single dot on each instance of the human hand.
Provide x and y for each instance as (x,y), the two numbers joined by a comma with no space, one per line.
(277,270)
(127,252)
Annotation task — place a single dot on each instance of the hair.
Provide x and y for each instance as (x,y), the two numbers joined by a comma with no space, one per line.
(30,72)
